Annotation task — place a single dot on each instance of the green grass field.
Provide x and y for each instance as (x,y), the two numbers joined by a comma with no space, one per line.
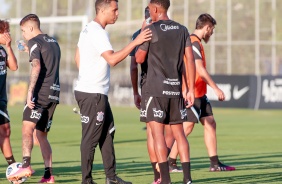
(247,139)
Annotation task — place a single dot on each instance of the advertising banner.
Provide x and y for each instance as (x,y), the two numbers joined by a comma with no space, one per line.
(248,91)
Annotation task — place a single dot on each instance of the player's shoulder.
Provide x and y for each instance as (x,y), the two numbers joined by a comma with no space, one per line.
(136,34)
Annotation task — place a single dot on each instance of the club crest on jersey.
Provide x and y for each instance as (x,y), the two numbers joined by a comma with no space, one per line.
(183,113)
(158,113)
(100,116)
(35,114)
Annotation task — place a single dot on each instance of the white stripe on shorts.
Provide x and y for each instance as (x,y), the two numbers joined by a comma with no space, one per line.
(111,130)
(5,115)
(195,113)
(149,101)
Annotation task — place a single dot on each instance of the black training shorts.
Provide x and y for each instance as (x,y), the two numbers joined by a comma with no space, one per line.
(4,116)
(200,109)
(164,110)
(42,117)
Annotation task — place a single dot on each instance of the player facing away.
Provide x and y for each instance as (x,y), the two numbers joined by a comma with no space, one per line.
(164,102)
(138,98)
(202,109)
(7,60)
(42,97)
(94,56)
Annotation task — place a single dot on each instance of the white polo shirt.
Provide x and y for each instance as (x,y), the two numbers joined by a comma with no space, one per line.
(94,71)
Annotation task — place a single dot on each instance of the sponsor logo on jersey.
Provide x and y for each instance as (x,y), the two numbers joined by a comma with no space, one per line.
(171,93)
(165,27)
(3,54)
(158,113)
(272,90)
(47,39)
(84,119)
(55,87)
(173,82)
(35,114)
(3,72)
(183,113)
(53,97)
(100,116)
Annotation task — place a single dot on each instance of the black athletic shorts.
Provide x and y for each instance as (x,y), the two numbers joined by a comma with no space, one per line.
(164,110)
(4,116)
(42,117)
(200,109)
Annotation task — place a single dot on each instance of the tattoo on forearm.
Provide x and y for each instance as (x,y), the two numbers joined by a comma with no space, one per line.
(35,70)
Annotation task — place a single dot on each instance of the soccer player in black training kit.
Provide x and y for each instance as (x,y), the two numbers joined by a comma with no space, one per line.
(138,99)
(7,60)
(170,57)
(42,97)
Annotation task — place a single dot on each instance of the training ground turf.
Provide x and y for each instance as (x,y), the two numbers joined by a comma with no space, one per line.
(247,139)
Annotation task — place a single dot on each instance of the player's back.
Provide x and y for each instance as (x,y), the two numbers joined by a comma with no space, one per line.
(165,58)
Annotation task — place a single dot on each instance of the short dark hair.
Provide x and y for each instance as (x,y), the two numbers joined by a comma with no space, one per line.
(4,26)
(163,3)
(30,17)
(205,19)
(147,12)
(101,3)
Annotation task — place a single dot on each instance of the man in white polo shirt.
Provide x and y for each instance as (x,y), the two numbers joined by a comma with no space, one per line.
(94,56)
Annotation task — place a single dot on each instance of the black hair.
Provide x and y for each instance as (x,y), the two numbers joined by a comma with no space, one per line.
(163,3)
(30,17)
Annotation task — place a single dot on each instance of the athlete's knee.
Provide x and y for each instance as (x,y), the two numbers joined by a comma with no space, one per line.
(5,131)
(212,123)
(188,127)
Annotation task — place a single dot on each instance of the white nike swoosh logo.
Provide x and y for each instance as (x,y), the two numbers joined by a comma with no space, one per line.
(239,93)
(98,124)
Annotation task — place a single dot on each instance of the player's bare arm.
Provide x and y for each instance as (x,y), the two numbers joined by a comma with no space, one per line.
(207,78)
(113,58)
(140,56)
(191,71)
(134,81)
(12,60)
(77,58)
(35,70)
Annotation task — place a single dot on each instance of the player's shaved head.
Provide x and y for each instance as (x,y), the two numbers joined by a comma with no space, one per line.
(102,4)
(163,3)
(31,19)
(205,19)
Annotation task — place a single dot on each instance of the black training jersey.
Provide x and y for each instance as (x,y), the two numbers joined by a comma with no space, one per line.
(47,50)
(3,75)
(165,58)
(144,65)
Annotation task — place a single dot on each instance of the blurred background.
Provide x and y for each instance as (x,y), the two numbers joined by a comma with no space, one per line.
(246,46)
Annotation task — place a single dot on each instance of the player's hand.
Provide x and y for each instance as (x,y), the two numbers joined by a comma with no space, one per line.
(29,101)
(220,94)
(7,38)
(144,36)
(190,98)
(137,101)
